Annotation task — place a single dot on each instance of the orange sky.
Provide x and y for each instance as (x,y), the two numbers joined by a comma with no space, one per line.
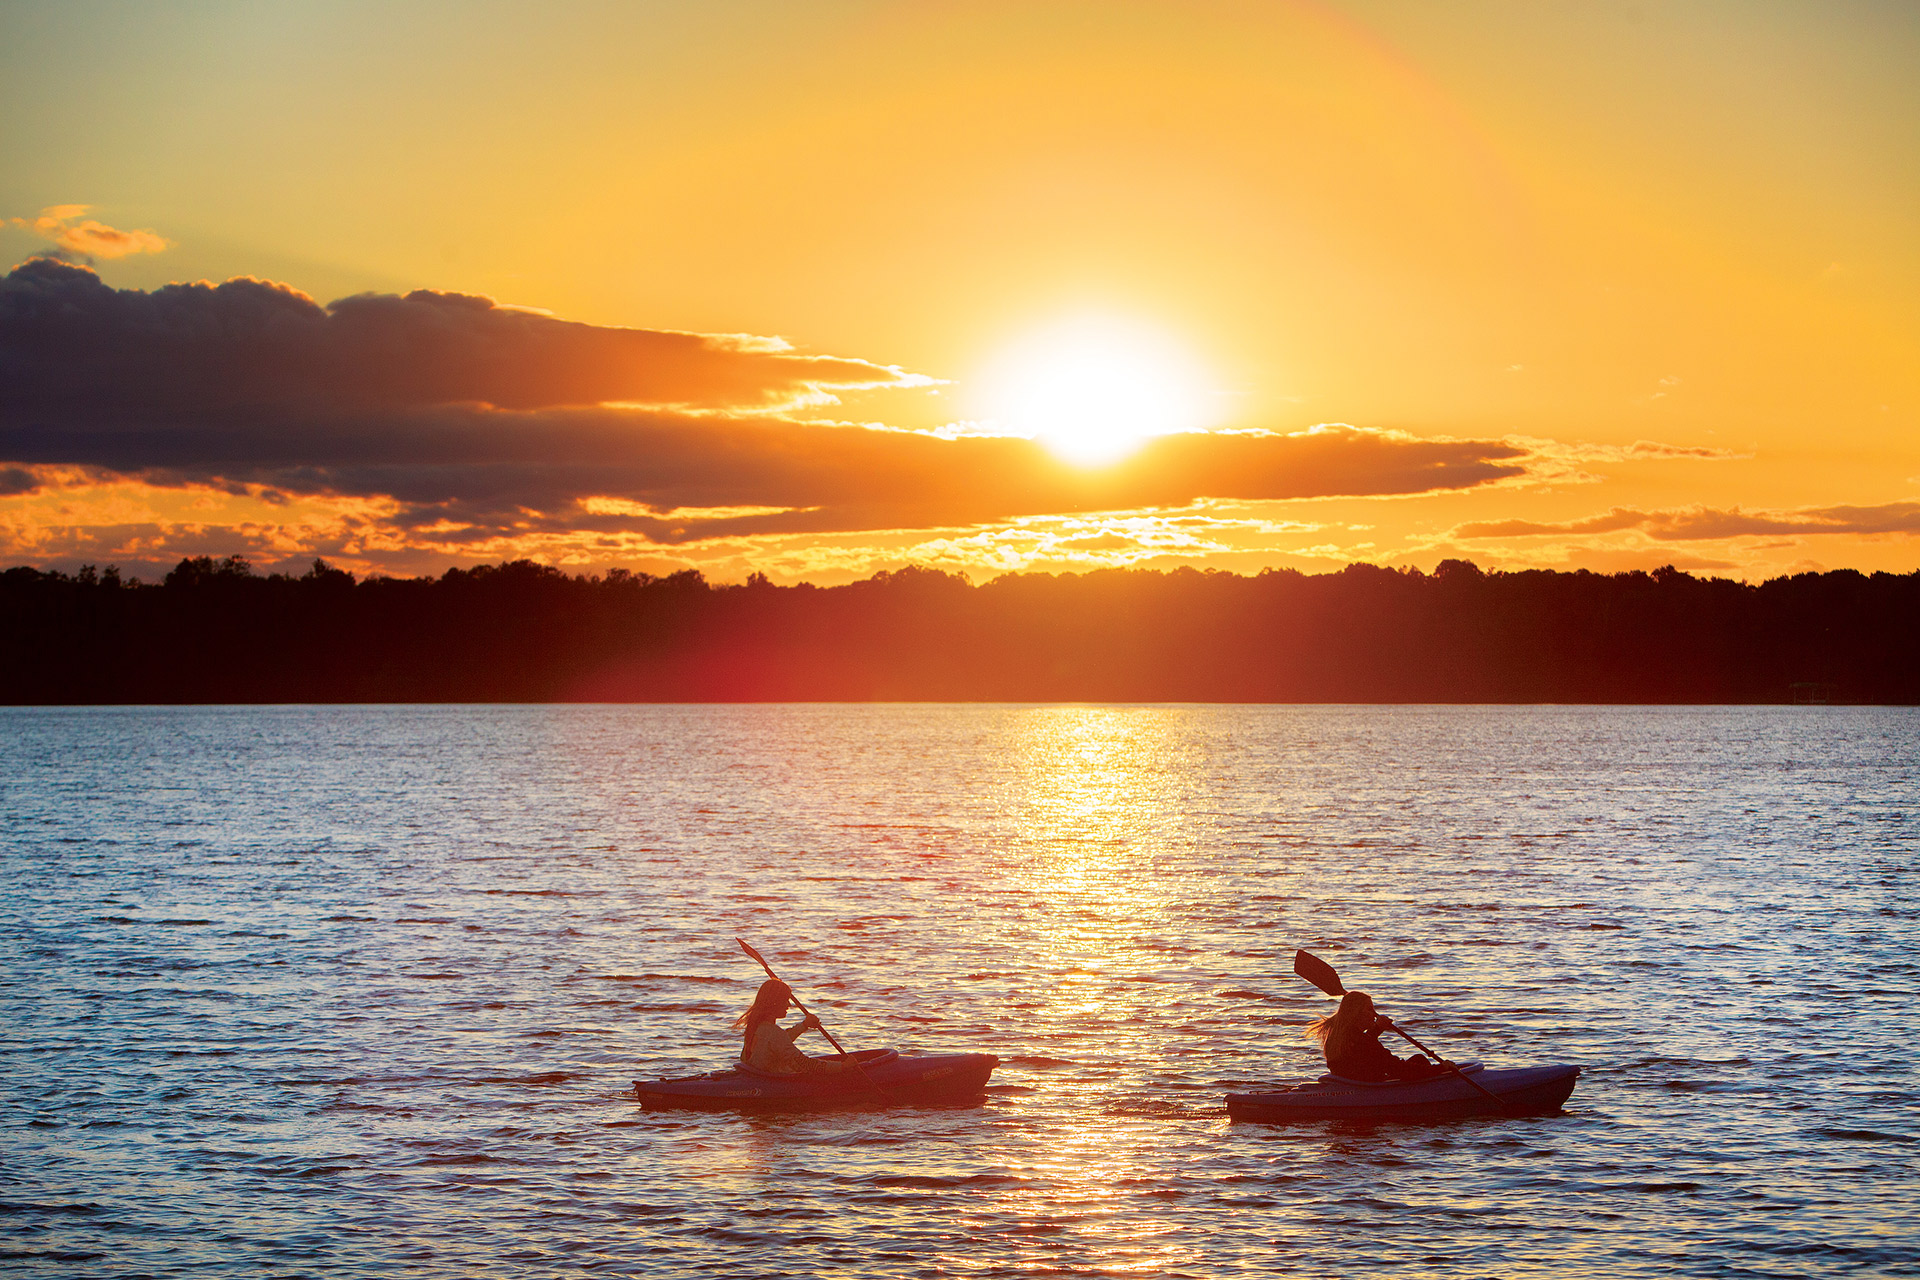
(1534,284)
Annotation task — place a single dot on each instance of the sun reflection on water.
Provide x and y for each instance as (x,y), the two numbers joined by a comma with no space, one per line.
(1100,799)
(1095,794)
(1095,810)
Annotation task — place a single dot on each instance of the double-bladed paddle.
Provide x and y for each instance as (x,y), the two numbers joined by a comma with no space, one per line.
(1322,975)
(806,1012)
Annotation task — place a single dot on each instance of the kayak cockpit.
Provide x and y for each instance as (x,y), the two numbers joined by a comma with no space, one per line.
(866,1059)
(1465,1069)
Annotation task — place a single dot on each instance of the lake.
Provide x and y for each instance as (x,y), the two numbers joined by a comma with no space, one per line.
(357,990)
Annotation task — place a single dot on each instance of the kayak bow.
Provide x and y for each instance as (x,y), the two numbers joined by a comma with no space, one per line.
(935,1080)
(1516,1091)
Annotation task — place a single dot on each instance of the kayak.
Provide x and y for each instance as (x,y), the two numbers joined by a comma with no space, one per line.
(885,1079)
(1522,1091)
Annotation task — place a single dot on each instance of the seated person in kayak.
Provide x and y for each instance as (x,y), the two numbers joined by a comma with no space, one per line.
(768,1046)
(1351,1037)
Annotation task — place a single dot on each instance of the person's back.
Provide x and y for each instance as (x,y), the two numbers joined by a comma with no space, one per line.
(1362,1058)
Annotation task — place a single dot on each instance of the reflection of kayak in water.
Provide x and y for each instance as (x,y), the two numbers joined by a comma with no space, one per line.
(885,1079)
(1521,1091)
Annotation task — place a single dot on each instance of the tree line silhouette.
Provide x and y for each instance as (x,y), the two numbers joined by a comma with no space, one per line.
(215,631)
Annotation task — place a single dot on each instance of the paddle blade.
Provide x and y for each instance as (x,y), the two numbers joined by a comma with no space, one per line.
(756,955)
(1318,972)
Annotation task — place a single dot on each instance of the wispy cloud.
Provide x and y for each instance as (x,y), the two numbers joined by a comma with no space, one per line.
(68,227)
(1702,524)
(1559,462)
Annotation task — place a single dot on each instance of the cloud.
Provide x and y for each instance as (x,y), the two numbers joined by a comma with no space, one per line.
(1700,524)
(1557,462)
(481,421)
(72,346)
(67,227)
(1639,451)
(614,469)
(1615,520)
(1653,449)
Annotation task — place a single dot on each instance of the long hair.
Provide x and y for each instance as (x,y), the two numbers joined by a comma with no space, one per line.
(768,1003)
(1345,1027)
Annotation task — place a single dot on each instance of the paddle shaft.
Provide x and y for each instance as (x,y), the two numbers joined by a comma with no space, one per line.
(805,1012)
(1456,1070)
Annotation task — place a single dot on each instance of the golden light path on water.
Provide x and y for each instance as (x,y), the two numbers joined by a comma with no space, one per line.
(1089,801)
(361,990)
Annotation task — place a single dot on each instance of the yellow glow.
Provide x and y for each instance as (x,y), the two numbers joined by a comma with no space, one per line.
(1093,388)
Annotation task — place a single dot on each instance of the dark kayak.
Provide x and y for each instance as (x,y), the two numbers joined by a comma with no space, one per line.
(1522,1091)
(944,1079)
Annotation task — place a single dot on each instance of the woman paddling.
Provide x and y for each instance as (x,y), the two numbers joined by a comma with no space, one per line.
(1351,1037)
(768,1046)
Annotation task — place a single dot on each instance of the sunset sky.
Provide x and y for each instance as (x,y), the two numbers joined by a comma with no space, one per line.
(819,289)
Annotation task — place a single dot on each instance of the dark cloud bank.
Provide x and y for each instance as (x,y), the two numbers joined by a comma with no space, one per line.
(69,345)
(500,419)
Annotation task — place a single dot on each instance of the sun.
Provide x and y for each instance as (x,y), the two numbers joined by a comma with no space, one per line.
(1093,388)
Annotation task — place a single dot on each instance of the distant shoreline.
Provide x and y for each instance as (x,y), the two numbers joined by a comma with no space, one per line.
(217,634)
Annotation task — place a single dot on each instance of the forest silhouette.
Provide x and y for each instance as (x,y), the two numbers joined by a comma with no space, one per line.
(215,631)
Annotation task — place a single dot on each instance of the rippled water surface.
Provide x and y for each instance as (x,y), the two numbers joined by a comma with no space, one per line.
(355,991)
